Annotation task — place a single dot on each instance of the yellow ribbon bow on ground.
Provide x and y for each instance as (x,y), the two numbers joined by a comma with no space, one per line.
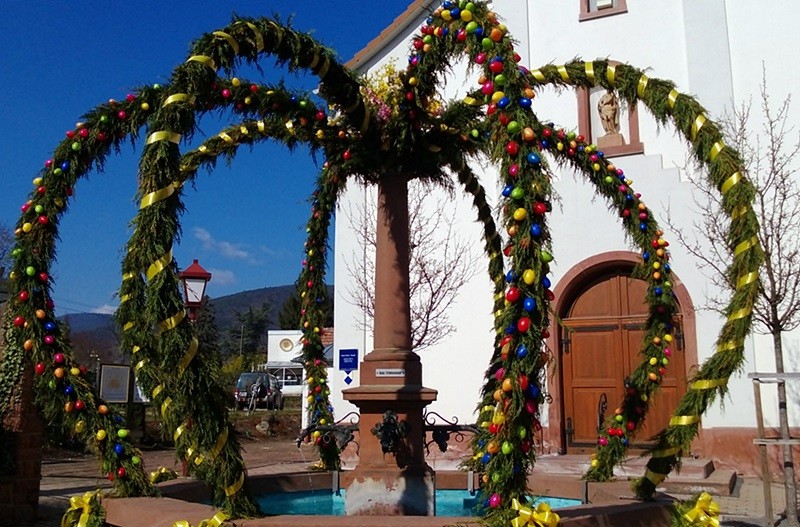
(214,521)
(541,517)
(705,512)
(162,474)
(79,509)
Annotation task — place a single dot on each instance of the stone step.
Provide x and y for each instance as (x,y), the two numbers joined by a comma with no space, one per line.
(561,476)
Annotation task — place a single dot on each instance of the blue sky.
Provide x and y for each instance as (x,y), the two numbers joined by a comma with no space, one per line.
(246,223)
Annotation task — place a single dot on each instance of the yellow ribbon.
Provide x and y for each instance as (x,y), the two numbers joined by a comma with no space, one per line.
(178,432)
(225,137)
(744,280)
(323,71)
(172,137)
(159,265)
(259,36)
(208,61)
(233,489)
(588,67)
(684,420)
(745,245)
(154,197)
(127,326)
(165,405)
(261,126)
(157,390)
(562,70)
(716,149)
(79,504)
(139,365)
(611,74)
(672,97)
(365,122)
(244,130)
(314,61)
(698,123)
(709,384)
(353,106)
(221,440)
(730,182)
(188,356)
(167,474)
(234,45)
(124,298)
(642,85)
(729,346)
(172,321)
(542,516)
(738,212)
(538,75)
(667,452)
(127,276)
(214,521)
(654,477)
(736,315)
(175,97)
(278,30)
(705,512)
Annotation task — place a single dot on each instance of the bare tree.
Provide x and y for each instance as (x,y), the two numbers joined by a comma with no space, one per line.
(771,160)
(441,262)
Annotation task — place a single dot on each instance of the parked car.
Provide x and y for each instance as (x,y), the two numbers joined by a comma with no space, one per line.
(269,394)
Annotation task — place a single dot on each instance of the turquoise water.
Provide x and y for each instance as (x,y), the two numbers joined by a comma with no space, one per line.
(327,503)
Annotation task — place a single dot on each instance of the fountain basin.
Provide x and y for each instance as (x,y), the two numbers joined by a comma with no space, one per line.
(183,501)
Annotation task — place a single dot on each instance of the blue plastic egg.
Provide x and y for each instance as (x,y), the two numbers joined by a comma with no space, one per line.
(522,351)
(536,230)
(533,158)
(529,304)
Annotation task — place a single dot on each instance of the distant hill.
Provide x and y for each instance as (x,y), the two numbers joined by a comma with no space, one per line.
(96,332)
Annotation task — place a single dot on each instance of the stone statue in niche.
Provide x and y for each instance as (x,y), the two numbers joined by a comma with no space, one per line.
(608,108)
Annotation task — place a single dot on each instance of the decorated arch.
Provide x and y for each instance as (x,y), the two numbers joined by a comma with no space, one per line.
(397,129)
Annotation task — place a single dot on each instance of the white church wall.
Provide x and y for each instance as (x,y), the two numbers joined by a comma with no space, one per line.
(664,40)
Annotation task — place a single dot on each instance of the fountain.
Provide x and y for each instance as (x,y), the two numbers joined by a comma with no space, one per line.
(415,140)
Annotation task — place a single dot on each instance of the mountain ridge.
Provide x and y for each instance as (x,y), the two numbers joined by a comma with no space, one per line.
(94,336)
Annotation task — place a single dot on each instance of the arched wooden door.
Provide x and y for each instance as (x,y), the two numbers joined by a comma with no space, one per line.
(599,341)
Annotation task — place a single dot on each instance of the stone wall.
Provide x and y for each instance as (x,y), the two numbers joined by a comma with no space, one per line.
(22,427)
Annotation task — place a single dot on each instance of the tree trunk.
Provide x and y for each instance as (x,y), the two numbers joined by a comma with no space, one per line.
(788,461)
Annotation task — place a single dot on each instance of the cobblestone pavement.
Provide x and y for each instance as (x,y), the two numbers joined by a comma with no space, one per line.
(63,477)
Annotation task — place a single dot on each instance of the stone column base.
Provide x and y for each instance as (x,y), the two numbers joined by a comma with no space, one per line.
(407,493)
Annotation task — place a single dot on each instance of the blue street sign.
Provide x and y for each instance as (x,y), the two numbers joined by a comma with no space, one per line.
(348,360)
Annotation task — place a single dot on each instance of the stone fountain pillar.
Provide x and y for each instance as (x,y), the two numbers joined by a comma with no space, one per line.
(397,482)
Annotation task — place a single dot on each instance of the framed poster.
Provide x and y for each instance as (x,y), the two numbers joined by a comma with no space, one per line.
(114,382)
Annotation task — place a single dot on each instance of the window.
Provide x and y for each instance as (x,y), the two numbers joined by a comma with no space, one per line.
(591,9)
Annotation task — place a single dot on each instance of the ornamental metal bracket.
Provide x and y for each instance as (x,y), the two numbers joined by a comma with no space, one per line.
(441,430)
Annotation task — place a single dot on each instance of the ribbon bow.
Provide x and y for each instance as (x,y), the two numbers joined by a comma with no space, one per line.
(542,516)
(214,521)
(162,474)
(79,509)
(705,512)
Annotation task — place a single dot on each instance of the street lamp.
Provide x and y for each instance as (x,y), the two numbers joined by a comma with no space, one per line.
(194,280)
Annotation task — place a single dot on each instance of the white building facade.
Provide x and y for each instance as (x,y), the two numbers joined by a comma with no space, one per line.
(713,49)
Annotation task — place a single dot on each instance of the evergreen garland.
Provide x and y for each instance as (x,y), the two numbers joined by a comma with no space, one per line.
(420,137)
(725,172)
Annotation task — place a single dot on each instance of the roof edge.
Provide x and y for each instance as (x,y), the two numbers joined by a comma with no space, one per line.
(372,48)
